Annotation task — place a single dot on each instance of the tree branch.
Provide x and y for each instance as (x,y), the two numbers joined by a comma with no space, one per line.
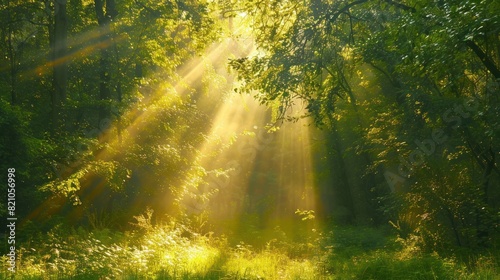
(485,59)
(334,17)
(401,6)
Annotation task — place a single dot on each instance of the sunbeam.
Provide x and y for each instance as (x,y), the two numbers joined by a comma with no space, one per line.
(186,88)
(277,139)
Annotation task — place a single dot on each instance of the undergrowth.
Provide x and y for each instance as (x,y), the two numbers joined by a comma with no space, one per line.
(174,251)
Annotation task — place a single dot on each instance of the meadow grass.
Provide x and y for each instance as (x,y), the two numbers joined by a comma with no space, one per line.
(174,252)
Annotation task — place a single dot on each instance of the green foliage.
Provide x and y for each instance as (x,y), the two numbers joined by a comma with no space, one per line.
(383,77)
(379,77)
(114,174)
(347,239)
(114,69)
(305,214)
(164,252)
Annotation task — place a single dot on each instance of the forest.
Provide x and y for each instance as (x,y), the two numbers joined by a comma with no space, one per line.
(256,139)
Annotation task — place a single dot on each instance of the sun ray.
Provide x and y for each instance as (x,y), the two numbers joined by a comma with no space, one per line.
(254,164)
(81,53)
(166,94)
(78,48)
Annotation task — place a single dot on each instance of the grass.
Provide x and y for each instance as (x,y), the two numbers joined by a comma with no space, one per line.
(174,252)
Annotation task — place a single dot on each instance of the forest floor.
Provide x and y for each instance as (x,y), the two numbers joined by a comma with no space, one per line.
(172,251)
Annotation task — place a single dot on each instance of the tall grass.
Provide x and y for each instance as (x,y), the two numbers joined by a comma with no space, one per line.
(173,251)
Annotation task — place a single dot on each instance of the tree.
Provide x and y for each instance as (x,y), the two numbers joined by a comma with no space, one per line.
(419,59)
(58,36)
(105,14)
(105,83)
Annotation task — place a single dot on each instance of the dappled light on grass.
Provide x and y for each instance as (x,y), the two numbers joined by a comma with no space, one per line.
(200,259)
(269,265)
(163,252)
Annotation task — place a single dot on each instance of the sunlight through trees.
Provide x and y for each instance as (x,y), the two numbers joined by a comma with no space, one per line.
(272,139)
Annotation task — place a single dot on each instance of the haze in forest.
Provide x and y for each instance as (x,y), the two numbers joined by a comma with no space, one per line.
(274,139)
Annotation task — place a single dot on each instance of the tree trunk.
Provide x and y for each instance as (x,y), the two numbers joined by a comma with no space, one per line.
(11,58)
(343,208)
(105,16)
(60,67)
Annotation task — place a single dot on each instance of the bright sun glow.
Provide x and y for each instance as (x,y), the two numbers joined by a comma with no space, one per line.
(272,139)
(250,172)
